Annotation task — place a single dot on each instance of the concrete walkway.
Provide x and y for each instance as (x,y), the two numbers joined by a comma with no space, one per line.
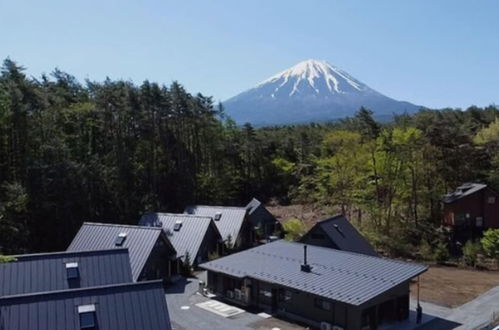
(476,314)
(479,312)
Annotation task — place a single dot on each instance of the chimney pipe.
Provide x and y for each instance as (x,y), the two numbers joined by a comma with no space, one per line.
(304,254)
(305,267)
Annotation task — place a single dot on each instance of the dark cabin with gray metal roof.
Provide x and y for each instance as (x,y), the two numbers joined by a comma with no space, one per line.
(41,272)
(264,222)
(196,235)
(315,285)
(232,223)
(130,306)
(338,233)
(152,256)
(469,210)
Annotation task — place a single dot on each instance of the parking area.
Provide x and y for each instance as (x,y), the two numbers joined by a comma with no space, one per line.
(186,315)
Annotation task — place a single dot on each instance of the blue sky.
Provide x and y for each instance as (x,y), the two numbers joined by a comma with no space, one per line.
(433,53)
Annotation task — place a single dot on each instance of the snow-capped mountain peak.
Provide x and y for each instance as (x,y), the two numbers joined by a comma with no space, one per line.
(314,72)
(311,90)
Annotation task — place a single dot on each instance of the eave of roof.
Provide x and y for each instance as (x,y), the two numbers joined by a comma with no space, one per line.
(348,277)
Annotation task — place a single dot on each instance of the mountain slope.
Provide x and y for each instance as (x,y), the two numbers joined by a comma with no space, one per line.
(309,91)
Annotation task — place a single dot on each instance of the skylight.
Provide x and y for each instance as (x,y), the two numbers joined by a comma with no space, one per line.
(120,239)
(72,270)
(178,225)
(87,316)
(218,216)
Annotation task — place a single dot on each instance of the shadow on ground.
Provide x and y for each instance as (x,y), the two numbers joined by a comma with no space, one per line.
(439,324)
(179,286)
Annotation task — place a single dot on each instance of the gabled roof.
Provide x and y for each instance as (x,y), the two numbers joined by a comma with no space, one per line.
(253,205)
(189,237)
(140,241)
(41,272)
(258,213)
(466,189)
(343,235)
(348,277)
(128,306)
(229,224)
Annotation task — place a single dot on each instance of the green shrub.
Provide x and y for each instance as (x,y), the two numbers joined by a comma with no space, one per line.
(213,255)
(441,254)
(470,253)
(4,259)
(490,243)
(425,250)
(293,229)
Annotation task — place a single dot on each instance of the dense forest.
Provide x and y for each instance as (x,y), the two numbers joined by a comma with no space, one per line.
(110,151)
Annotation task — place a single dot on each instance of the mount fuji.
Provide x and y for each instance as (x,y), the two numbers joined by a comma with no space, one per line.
(310,91)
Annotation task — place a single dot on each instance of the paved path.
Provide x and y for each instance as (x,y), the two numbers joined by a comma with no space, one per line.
(476,314)
(479,312)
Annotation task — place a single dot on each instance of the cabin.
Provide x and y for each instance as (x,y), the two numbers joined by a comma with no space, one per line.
(232,223)
(469,210)
(322,287)
(338,233)
(196,236)
(128,306)
(264,223)
(56,271)
(152,256)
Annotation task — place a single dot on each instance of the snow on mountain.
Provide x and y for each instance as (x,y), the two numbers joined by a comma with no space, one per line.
(309,91)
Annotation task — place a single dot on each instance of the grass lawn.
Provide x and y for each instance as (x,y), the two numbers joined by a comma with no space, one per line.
(452,286)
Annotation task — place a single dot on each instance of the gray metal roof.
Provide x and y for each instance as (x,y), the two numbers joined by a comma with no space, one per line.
(190,235)
(131,306)
(47,271)
(253,205)
(344,235)
(258,213)
(348,277)
(462,191)
(229,224)
(140,241)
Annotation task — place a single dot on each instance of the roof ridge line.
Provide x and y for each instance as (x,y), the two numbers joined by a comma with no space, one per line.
(119,225)
(334,217)
(180,215)
(67,252)
(91,288)
(217,206)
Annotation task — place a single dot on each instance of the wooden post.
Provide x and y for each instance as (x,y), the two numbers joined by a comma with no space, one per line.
(418,290)
(419,309)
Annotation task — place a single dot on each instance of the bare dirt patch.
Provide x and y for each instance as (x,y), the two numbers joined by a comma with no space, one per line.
(308,213)
(452,286)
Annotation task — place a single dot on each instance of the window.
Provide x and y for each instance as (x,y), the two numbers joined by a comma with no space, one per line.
(265,293)
(87,316)
(72,270)
(491,200)
(178,225)
(120,239)
(479,221)
(322,304)
(218,216)
(285,295)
